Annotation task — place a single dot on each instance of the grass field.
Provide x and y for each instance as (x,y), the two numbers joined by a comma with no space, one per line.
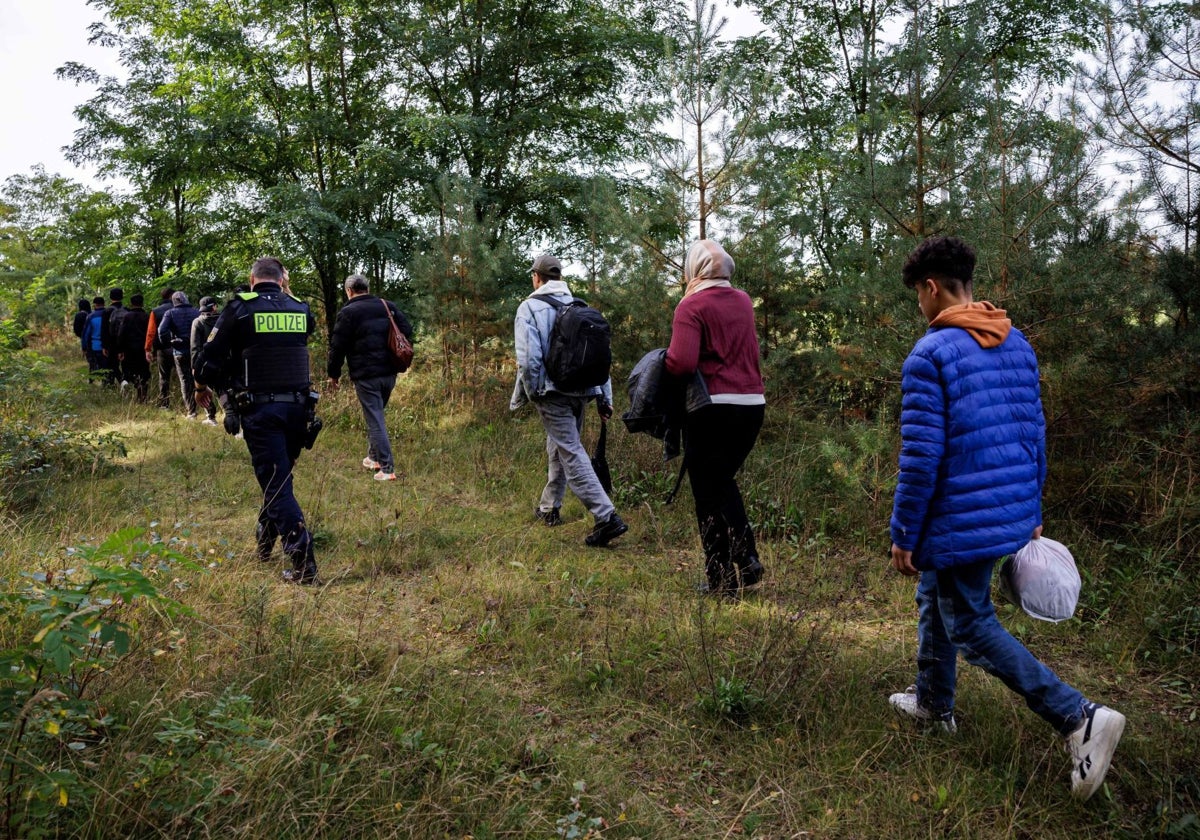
(465,672)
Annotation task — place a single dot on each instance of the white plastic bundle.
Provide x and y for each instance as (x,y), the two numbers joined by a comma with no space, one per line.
(1042,580)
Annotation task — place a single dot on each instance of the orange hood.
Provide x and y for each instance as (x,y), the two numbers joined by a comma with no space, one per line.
(985,323)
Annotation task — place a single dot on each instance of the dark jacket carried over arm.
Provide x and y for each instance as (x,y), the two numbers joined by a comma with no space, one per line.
(360,338)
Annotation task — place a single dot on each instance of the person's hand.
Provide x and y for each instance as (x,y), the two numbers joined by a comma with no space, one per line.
(203,396)
(149,356)
(1037,533)
(105,352)
(902,561)
(605,409)
(120,357)
(331,386)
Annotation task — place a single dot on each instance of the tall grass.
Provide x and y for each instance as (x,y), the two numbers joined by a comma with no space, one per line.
(465,672)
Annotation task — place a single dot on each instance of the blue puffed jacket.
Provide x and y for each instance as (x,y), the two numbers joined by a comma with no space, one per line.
(973,441)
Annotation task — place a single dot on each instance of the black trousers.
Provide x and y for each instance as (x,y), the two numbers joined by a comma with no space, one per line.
(274,434)
(718,439)
(136,371)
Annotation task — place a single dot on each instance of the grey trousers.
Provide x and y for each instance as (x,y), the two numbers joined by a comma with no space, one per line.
(373,395)
(570,465)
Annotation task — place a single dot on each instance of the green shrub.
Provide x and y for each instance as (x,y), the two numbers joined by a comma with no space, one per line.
(71,627)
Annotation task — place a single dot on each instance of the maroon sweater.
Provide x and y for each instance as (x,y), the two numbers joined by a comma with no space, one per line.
(713,331)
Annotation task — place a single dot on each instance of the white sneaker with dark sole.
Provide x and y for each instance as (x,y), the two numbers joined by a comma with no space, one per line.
(384,476)
(905,705)
(371,464)
(1092,746)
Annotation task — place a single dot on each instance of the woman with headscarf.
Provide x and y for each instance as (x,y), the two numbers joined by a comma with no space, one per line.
(713,332)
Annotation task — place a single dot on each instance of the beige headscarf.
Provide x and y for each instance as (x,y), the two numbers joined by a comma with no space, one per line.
(707,265)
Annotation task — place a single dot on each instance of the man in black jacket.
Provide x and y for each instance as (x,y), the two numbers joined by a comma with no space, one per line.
(110,324)
(360,337)
(131,337)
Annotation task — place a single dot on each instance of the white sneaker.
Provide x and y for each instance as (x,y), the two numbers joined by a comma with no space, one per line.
(1092,746)
(208,421)
(189,417)
(370,464)
(906,706)
(384,476)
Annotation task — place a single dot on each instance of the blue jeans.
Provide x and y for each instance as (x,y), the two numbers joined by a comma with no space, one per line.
(956,613)
(569,463)
(373,395)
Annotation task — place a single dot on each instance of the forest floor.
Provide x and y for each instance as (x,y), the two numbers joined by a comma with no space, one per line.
(464,671)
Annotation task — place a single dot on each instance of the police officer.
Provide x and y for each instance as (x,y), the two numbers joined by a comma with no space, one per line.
(258,349)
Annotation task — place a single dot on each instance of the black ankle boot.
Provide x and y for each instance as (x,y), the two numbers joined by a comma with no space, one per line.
(265,536)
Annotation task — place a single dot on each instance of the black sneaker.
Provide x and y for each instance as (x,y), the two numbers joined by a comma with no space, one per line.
(549,518)
(606,531)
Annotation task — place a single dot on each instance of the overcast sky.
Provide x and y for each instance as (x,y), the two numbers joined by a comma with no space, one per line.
(36,120)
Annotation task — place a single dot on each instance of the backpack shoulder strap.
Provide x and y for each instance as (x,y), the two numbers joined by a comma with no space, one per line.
(558,304)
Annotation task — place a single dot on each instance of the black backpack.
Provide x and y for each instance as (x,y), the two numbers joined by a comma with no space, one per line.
(580,351)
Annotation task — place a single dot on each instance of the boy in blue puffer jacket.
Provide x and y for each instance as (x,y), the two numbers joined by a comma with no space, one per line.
(972,466)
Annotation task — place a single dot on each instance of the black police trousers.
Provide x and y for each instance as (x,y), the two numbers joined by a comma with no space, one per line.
(274,434)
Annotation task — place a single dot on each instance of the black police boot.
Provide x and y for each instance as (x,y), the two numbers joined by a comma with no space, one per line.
(304,561)
(265,534)
(303,571)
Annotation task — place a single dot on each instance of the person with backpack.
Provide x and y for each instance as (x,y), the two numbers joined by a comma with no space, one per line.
(560,371)
(713,332)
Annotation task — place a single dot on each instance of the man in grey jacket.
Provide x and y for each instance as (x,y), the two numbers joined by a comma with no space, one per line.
(561,411)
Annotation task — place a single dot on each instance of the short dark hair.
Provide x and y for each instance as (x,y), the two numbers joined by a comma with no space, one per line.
(116,294)
(136,300)
(83,304)
(98,301)
(267,268)
(947,259)
(167,292)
